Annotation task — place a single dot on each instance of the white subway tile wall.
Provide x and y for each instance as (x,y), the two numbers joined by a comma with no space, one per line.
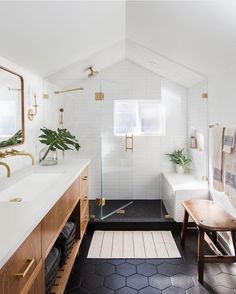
(88,119)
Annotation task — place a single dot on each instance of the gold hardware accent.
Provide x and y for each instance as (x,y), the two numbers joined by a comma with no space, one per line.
(100,201)
(16,199)
(14,152)
(69,90)
(99,96)
(167,216)
(121,211)
(33,112)
(92,216)
(92,72)
(45,96)
(24,273)
(127,147)
(6,166)
(204,95)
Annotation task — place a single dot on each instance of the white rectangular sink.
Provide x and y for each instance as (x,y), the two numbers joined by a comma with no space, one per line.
(29,188)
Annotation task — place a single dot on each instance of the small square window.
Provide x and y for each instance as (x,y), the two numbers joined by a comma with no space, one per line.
(140,118)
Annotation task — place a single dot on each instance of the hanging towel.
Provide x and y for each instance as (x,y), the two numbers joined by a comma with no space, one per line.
(229,139)
(217,162)
(230,173)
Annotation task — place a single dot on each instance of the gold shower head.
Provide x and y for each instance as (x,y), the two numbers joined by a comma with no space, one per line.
(92,72)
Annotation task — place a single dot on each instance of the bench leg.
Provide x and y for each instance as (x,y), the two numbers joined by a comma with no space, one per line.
(214,237)
(201,244)
(184,227)
(233,234)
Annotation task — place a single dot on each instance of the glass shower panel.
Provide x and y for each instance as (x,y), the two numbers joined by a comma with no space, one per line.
(117,157)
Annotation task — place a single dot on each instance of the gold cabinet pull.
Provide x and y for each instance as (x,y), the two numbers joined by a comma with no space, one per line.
(127,147)
(30,262)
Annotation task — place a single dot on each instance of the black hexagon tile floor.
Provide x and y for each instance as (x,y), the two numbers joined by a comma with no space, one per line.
(150,276)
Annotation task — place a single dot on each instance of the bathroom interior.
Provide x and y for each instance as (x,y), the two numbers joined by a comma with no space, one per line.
(117,130)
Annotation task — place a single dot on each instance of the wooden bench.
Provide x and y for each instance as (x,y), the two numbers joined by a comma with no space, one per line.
(209,218)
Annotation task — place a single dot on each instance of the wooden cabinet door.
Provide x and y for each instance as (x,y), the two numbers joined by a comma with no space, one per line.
(20,269)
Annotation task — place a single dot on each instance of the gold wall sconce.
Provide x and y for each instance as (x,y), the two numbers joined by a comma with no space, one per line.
(33,112)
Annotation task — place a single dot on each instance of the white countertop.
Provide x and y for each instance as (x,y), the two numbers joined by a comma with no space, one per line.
(18,220)
(184,182)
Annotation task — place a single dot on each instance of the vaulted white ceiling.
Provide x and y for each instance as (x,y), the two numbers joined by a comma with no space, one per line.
(180,40)
(46,36)
(198,34)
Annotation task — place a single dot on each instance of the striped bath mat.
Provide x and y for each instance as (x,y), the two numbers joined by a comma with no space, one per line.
(133,244)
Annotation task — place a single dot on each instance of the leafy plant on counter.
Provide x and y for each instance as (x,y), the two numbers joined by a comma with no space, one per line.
(12,141)
(179,158)
(60,139)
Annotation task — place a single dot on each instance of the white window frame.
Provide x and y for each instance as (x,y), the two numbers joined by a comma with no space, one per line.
(138,118)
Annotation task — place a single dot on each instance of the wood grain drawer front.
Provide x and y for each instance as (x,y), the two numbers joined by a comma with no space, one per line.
(57,217)
(84,199)
(84,219)
(84,179)
(19,269)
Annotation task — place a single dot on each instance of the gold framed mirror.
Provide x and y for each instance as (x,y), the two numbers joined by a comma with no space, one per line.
(12,128)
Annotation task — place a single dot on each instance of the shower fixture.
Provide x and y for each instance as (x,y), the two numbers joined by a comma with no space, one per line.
(92,72)
(61,117)
(69,90)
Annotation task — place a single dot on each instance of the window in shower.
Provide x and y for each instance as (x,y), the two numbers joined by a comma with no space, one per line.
(139,117)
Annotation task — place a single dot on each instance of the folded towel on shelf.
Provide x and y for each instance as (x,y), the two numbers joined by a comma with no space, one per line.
(65,233)
(217,161)
(51,268)
(230,173)
(52,260)
(66,240)
(229,139)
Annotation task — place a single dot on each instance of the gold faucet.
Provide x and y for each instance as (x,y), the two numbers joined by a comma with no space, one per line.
(7,167)
(13,152)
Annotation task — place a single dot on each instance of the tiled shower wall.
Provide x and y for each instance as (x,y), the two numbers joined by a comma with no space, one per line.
(88,119)
(198,122)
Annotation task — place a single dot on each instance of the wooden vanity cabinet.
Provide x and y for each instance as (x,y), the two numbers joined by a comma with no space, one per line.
(57,217)
(24,272)
(23,266)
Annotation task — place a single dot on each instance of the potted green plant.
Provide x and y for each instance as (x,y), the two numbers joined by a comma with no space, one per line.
(180,160)
(61,139)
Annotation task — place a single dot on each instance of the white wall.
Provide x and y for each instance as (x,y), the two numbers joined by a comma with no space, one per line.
(222,105)
(174,98)
(198,124)
(88,119)
(47,114)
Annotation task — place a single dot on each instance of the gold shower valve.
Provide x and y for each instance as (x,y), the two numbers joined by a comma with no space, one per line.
(99,96)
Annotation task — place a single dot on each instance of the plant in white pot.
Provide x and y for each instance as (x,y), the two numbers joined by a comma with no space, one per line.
(180,160)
